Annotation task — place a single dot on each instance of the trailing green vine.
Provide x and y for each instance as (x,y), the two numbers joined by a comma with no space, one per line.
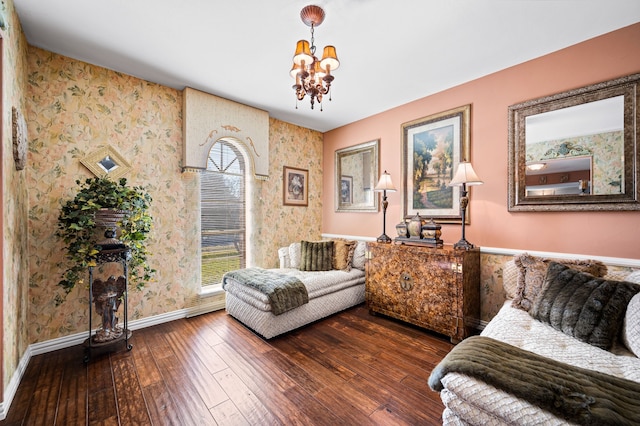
(77,228)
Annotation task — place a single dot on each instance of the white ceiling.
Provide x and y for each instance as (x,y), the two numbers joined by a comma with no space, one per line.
(391,52)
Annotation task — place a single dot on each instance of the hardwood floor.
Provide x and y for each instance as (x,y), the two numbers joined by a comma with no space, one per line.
(349,369)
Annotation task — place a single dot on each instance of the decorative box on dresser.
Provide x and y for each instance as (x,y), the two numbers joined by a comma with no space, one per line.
(434,288)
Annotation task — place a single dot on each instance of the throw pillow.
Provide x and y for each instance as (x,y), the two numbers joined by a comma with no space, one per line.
(343,254)
(294,255)
(533,269)
(631,326)
(588,308)
(510,278)
(359,255)
(316,256)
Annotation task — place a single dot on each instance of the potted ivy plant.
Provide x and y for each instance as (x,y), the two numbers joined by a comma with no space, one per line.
(78,228)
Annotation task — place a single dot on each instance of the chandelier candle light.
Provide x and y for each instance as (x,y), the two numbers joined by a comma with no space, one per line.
(313,77)
(384,185)
(465,175)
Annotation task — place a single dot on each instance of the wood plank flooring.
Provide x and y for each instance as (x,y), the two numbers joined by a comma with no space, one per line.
(349,369)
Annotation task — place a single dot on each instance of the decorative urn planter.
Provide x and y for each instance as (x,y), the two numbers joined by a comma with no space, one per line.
(108,221)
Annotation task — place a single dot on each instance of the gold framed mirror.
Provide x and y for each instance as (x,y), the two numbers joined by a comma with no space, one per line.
(107,161)
(356,173)
(576,150)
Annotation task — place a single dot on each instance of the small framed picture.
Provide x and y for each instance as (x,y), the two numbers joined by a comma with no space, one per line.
(295,191)
(346,189)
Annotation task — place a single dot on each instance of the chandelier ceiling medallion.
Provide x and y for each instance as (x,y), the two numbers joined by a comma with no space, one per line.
(313,77)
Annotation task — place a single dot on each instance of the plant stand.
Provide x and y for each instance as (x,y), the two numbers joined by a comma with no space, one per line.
(106,295)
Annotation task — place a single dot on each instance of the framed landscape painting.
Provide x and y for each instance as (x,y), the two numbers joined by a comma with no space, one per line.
(432,148)
(295,186)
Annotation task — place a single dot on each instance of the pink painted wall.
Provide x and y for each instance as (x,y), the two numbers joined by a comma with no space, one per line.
(615,234)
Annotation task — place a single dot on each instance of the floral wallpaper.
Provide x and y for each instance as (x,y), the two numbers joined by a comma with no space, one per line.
(14,202)
(607,150)
(492,295)
(76,108)
(278,225)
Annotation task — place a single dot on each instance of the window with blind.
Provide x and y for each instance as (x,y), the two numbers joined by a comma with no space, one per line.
(222,217)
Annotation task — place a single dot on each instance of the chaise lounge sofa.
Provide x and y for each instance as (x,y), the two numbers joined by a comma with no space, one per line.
(332,287)
(562,350)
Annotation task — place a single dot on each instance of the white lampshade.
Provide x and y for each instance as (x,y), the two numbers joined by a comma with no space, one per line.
(329,59)
(465,175)
(295,69)
(385,184)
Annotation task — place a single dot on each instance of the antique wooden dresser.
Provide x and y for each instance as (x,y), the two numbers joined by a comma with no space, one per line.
(434,288)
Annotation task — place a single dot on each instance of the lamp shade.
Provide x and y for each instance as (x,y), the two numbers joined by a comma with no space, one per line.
(295,69)
(385,184)
(303,53)
(465,175)
(329,59)
(318,70)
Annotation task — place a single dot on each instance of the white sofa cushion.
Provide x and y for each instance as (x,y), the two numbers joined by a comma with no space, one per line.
(518,328)
(631,325)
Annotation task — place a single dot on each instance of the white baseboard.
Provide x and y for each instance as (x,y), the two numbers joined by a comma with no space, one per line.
(12,388)
(215,304)
(78,338)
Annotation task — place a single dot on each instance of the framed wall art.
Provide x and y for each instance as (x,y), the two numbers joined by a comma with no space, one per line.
(295,186)
(346,189)
(432,147)
(107,161)
(20,140)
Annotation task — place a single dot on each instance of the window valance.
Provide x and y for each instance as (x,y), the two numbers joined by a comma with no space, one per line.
(208,118)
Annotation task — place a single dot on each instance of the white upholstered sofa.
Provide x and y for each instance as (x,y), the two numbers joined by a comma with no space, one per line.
(471,399)
(329,291)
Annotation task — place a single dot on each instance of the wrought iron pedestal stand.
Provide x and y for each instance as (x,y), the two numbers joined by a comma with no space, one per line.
(107,298)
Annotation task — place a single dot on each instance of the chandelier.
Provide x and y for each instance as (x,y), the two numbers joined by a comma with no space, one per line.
(313,77)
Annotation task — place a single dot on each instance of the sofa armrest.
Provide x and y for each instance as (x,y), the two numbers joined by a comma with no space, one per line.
(283,255)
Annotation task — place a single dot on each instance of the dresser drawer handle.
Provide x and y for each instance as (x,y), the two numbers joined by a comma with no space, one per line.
(406,281)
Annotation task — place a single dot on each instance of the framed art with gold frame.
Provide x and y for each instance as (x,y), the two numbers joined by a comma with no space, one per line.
(432,148)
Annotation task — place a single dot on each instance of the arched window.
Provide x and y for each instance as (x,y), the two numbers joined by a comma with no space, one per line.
(222,213)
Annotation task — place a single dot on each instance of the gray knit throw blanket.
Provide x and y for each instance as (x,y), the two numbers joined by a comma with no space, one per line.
(577,395)
(284,291)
